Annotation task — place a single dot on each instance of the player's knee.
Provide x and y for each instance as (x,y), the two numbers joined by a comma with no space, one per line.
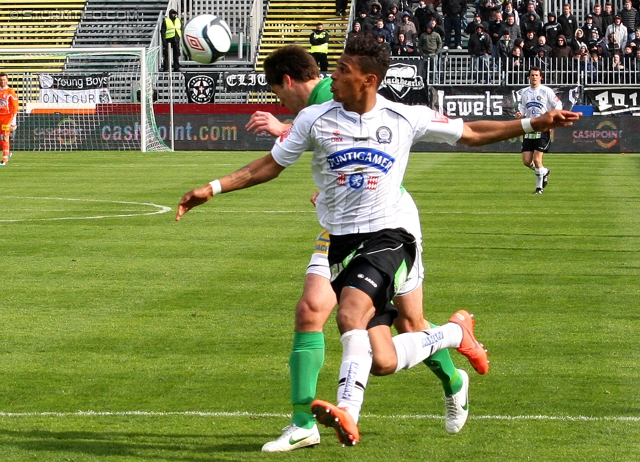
(311,314)
(380,370)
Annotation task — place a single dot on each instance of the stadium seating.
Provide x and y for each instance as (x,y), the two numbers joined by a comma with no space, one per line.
(292,22)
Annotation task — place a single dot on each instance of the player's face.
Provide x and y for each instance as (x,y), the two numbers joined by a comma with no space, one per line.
(288,98)
(3,81)
(348,80)
(535,78)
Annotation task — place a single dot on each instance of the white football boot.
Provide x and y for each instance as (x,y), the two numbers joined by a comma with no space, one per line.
(457,406)
(294,437)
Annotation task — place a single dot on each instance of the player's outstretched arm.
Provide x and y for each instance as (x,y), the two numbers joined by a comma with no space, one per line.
(261,121)
(481,132)
(257,172)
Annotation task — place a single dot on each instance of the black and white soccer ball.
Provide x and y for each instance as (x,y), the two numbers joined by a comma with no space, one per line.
(206,38)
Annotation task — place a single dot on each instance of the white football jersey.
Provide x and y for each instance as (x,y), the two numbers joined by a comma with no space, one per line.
(359,161)
(536,101)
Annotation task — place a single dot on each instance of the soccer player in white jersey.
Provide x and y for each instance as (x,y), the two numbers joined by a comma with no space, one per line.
(295,78)
(536,100)
(361,144)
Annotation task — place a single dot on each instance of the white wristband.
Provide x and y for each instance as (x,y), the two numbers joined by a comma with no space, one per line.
(526,125)
(216,187)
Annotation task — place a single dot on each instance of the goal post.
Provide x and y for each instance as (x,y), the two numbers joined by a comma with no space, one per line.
(98,98)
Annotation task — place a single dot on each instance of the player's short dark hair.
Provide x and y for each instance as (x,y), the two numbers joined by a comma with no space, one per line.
(4,74)
(535,69)
(372,56)
(293,61)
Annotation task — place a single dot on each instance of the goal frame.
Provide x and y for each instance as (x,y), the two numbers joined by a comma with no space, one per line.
(144,73)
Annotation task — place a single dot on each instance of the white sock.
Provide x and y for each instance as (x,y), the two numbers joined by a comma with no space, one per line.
(354,370)
(540,172)
(414,347)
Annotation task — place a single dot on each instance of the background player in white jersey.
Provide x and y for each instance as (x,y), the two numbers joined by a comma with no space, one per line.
(294,76)
(535,101)
(359,176)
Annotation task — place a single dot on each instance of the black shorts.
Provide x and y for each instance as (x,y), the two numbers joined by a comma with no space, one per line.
(376,263)
(384,317)
(541,143)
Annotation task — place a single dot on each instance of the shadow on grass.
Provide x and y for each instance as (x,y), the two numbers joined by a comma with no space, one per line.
(146,446)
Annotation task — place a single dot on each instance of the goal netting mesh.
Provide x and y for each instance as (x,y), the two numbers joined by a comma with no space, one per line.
(84,98)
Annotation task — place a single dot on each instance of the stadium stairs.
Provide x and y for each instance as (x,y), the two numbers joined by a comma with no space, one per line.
(290,22)
(114,23)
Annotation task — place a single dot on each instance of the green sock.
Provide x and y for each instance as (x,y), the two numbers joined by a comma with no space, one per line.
(442,366)
(305,362)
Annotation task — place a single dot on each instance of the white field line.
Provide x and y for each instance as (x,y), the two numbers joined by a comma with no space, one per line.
(159,209)
(253,414)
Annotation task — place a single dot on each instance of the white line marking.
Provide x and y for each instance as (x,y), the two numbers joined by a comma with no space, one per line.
(161,209)
(580,418)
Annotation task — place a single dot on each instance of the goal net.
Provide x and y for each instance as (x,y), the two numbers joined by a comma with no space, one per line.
(84,98)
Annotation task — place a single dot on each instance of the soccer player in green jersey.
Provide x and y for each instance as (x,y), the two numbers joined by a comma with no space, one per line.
(294,77)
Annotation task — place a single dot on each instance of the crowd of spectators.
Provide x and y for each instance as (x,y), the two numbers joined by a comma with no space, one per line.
(512,34)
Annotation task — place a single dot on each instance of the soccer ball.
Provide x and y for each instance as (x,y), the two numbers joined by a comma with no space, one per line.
(206,38)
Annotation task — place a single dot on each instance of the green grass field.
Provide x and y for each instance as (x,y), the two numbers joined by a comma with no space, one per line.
(126,336)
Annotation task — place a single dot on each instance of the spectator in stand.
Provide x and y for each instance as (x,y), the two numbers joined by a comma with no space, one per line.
(568,22)
(629,56)
(589,26)
(399,46)
(423,14)
(471,27)
(508,9)
(630,19)
(552,29)
(619,76)
(407,27)
(430,43)
(495,28)
(357,29)
(561,49)
(341,7)
(433,14)
(515,60)
(503,47)
(578,40)
(453,12)
(603,52)
(530,44)
(592,43)
(530,8)
(619,30)
(391,25)
(635,43)
(531,23)
(488,10)
(479,48)
(395,11)
(543,45)
(412,51)
(380,39)
(439,29)
(607,17)
(512,27)
(381,30)
(366,22)
(319,40)
(375,11)
(596,15)
(613,46)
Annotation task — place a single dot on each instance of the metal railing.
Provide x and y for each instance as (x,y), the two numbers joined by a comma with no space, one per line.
(468,70)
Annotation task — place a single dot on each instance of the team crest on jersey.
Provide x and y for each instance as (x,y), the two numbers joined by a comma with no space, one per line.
(366,156)
(358,181)
(384,135)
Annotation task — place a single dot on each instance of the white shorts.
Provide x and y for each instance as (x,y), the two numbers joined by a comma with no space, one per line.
(319,264)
